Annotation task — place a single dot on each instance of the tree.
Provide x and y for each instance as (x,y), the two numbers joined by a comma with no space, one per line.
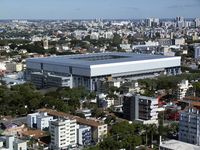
(122,135)
(116,40)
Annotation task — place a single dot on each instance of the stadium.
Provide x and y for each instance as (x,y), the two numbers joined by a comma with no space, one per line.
(87,69)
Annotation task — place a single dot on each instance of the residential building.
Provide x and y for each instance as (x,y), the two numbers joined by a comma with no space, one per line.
(39,120)
(140,108)
(84,135)
(63,133)
(182,89)
(99,129)
(189,125)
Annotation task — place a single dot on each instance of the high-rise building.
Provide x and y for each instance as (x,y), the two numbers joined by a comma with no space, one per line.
(182,89)
(140,108)
(63,134)
(189,126)
(197,22)
(180,22)
(152,22)
(197,52)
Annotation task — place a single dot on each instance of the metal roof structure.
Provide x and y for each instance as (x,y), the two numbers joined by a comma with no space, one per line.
(97,58)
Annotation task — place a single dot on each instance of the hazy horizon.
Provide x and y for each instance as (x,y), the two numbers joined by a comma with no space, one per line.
(91,9)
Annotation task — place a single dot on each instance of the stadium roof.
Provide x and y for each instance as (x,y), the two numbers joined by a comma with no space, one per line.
(97,58)
(178,145)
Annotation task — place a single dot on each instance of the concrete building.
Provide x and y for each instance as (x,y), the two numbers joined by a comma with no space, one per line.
(63,134)
(40,80)
(11,143)
(189,126)
(140,108)
(31,120)
(87,69)
(84,135)
(19,145)
(39,120)
(177,145)
(14,67)
(43,120)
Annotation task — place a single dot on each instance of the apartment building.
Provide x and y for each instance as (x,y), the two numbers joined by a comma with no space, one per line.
(84,135)
(63,134)
(182,89)
(98,129)
(140,108)
(189,125)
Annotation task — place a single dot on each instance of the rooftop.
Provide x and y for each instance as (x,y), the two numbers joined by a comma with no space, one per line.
(97,58)
(79,120)
(36,134)
(178,145)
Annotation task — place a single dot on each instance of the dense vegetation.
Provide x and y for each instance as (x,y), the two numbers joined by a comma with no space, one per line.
(127,136)
(22,99)
(165,82)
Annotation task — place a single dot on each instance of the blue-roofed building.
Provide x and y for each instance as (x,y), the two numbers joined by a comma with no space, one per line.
(87,69)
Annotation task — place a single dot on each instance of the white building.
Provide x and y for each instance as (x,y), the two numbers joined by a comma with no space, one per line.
(177,145)
(182,89)
(39,120)
(197,52)
(31,120)
(63,134)
(189,126)
(42,121)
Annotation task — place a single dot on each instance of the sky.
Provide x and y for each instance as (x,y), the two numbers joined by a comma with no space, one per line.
(104,9)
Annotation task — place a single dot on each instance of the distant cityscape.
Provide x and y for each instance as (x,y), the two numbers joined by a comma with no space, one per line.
(100,84)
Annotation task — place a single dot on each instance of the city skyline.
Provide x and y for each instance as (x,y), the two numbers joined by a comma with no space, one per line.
(91,9)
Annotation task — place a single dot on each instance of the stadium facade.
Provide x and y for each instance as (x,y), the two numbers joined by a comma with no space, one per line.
(87,69)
